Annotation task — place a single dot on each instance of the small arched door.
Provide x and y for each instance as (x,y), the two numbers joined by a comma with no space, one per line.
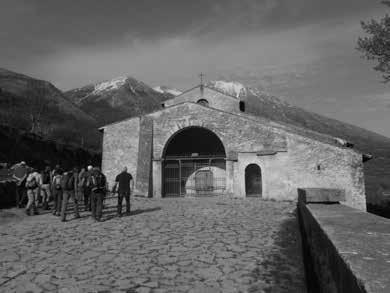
(253,184)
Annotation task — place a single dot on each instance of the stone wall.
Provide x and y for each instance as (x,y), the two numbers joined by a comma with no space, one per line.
(346,250)
(144,162)
(120,148)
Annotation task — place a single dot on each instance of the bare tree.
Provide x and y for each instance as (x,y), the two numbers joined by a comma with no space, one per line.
(38,104)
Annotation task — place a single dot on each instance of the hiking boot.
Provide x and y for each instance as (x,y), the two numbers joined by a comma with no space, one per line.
(36,213)
(27,212)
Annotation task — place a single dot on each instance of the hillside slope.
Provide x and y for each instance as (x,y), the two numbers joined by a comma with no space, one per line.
(39,107)
(117,99)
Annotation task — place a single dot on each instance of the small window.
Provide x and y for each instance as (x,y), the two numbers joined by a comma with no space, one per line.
(242,106)
(162,105)
(203,102)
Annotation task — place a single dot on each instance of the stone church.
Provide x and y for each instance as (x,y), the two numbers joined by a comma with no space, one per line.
(203,142)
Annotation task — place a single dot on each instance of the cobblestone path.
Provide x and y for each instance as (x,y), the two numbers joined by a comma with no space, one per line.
(166,245)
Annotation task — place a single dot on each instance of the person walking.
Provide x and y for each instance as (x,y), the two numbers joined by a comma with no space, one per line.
(81,185)
(69,187)
(125,183)
(98,191)
(88,188)
(32,185)
(45,187)
(20,175)
(57,192)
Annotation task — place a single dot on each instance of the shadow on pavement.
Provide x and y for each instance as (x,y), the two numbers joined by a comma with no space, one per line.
(282,268)
(112,213)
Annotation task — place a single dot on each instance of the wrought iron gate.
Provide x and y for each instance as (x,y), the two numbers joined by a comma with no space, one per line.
(183,176)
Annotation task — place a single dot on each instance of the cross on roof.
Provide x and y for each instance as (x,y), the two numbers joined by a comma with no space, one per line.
(201,75)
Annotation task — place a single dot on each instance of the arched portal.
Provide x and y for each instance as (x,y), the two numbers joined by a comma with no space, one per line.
(253,182)
(194,163)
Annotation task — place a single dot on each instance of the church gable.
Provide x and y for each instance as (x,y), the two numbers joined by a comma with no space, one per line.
(207,97)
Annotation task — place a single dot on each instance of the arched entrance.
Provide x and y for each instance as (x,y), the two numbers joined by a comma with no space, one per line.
(194,162)
(253,184)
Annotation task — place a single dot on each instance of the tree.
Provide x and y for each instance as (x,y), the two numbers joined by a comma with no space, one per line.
(376,46)
(37,106)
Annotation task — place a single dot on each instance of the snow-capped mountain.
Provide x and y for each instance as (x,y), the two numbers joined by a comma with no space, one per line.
(167,90)
(232,88)
(118,98)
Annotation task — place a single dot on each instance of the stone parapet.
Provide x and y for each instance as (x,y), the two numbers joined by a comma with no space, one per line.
(346,250)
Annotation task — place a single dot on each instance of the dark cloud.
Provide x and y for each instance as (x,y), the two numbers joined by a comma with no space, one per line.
(303,49)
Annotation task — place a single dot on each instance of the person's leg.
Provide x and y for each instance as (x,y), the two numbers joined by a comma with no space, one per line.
(93,204)
(23,192)
(99,206)
(35,202)
(47,196)
(30,196)
(127,197)
(43,196)
(120,200)
(59,202)
(85,198)
(17,196)
(89,198)
(65,195)
(76,204)
(54,201)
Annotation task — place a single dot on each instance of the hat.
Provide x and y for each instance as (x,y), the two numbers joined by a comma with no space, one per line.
(89,168)
(22,163)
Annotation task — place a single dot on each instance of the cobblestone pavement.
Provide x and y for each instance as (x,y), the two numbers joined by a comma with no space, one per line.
(166,245)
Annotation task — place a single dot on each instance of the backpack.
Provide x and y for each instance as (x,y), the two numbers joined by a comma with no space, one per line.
(45,178)
(57,182)
(32,183)
(98,182)
(70,182)
(67,182)
(82,182)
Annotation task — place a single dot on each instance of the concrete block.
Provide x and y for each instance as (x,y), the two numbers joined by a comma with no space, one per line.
(321,195)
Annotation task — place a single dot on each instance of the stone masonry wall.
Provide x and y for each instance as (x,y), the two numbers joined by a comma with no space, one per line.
(120,148)
(306,164)
(346,250)
(144,163)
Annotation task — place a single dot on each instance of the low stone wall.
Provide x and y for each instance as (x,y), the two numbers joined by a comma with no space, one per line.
(345,249)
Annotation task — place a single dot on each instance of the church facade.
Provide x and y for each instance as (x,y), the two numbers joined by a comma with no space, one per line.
(202,142)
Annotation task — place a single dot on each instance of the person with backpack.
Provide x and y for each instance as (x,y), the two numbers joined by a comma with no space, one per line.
(125,184)
(81,185)
(98,192)
(69,188)
(88,188)
(45,188)
(32,184)
(57,192)
(20,174)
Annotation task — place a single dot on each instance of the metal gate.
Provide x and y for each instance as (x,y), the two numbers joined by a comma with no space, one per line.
(183,176)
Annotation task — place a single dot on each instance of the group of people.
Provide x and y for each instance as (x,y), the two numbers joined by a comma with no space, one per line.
(88,185)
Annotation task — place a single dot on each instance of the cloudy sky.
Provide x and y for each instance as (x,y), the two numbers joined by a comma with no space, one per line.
(301,50)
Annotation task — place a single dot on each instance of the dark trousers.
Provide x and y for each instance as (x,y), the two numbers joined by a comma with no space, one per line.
(121,195)
(57,195)
(87,198)
(97,205)
(21,194)
(66,196)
